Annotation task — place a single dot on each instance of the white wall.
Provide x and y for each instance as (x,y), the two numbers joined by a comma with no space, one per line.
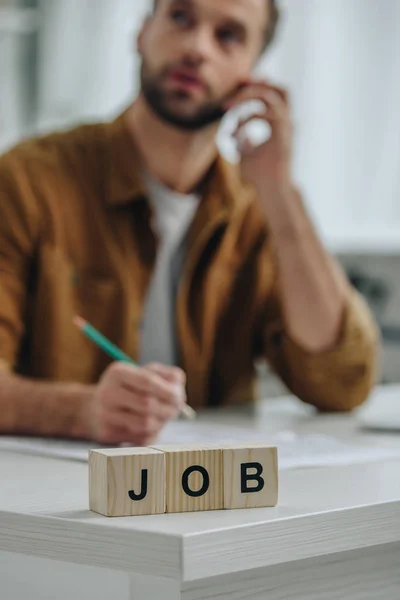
(16,27)
(10,90)
(341,58)
(88,63)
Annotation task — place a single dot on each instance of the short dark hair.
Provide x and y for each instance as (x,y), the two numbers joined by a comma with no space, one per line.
(271,30)
(272,24)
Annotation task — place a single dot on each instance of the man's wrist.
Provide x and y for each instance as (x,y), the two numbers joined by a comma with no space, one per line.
(83,426)
(283,208)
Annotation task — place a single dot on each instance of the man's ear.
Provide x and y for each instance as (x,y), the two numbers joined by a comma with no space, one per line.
(142,35)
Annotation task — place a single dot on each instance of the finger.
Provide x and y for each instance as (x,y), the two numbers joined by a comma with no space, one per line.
(117,437)
(276,111)
(133,425)
(172,374)
(143,405)
(246,91)
(143,380)
(176,376)
(113,436)
(273,101)
(112,429)
(126,438)
(268,96)
(123,437)
(281,92)
(178,380)
(269,116)
(261,87)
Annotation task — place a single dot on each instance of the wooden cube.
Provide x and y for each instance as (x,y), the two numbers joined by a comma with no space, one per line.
(250,476)
(194,479)
(127,481)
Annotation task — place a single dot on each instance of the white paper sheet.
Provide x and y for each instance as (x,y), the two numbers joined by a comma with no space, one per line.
(294,451)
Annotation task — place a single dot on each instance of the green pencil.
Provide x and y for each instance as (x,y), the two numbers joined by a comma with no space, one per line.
(114,352)
(101,341)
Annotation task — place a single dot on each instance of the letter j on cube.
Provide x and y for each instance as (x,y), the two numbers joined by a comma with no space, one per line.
(173,479)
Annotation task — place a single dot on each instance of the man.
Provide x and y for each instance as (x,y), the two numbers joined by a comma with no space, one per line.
(122,223)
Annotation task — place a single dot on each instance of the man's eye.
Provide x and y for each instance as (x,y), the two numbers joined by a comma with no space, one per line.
(180,17)
(228,36)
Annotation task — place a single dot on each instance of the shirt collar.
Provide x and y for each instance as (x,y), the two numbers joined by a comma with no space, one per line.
(126,183)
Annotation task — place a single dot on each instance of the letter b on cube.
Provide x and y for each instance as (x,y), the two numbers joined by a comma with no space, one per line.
(250,476)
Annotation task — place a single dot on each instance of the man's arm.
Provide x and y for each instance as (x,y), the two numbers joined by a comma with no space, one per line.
(128,405)
(313,289)
(26,407)
(318,333)
(44,409)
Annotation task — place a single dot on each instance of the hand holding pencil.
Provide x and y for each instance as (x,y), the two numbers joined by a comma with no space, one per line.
(132,404)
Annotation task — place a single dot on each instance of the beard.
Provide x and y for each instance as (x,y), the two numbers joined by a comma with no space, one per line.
(166,104)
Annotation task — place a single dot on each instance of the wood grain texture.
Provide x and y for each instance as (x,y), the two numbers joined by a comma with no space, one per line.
(205,478)
(259,465)
(227,551)
(366,574)
(127,482)
(85,538)
(321,511)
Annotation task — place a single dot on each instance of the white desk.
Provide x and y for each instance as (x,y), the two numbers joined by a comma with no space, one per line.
(335,533)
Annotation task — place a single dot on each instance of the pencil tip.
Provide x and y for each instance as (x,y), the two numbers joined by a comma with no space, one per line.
(79,322)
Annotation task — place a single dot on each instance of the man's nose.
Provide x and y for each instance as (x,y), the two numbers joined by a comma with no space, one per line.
(197,46)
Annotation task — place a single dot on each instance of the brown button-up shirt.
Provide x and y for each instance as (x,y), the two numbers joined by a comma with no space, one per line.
(75,238)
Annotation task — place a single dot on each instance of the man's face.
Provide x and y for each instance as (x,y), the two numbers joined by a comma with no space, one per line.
(196,53)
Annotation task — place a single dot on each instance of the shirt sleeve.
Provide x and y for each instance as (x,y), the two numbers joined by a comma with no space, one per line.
(18,232)
(338,379)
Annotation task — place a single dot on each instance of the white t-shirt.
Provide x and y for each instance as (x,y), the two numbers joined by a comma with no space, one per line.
(173,214)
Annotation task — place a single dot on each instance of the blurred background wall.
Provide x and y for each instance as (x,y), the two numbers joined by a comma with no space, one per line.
(63,62)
